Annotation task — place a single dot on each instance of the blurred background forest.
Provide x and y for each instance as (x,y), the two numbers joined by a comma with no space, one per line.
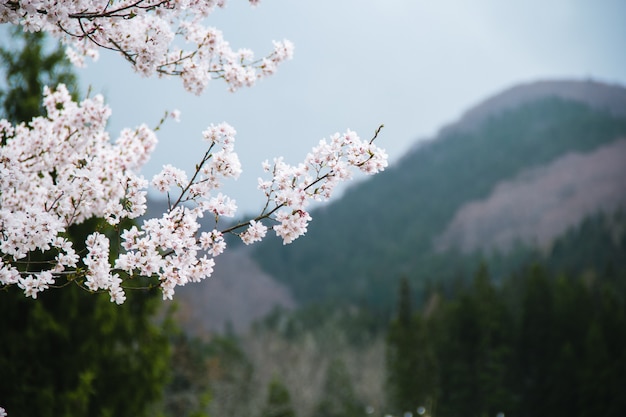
(483,274)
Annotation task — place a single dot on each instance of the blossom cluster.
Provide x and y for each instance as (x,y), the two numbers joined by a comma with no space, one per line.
(58,171)
(62,169)
(149,35)
(292,188)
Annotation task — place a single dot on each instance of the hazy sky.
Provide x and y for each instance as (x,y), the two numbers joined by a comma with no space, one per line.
(413,65)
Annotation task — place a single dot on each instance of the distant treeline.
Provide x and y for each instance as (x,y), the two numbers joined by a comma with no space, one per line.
(537,344)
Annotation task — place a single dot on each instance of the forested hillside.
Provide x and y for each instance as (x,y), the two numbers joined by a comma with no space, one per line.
(385,228)
(538,344)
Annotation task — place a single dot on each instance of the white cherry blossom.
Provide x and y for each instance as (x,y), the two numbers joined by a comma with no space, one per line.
(61,169)
(164,37)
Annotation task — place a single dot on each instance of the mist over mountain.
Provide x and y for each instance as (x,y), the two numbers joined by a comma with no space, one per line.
(519,169)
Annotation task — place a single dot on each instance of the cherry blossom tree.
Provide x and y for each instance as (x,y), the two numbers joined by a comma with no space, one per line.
(64,168)
(43,341)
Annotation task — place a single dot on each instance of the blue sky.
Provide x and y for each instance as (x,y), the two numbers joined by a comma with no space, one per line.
(413,65)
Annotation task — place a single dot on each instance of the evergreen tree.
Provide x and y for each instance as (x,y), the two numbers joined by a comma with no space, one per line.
(27,67)
(70,353)
(278,401)
(609,372)
(496,349)
(458,356)
(402,356)
(537,344)
(475,349)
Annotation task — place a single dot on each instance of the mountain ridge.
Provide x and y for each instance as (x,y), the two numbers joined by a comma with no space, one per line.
(387,226)
(395,216)
(597,95)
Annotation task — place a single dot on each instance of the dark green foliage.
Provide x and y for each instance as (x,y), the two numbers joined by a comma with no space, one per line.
(27,67)
(278,401)
(386,226)
(538,344)
(71,353)
(475,351)
(599,242)
(404,355)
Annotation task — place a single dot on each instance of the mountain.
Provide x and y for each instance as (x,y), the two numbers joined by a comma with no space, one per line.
(512,174)
(534,172)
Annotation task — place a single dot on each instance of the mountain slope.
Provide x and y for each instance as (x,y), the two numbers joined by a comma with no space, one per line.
(386,227)
(529,208)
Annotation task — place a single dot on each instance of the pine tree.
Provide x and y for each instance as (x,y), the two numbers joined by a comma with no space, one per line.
(475,349)
(537,346)
(403,356)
